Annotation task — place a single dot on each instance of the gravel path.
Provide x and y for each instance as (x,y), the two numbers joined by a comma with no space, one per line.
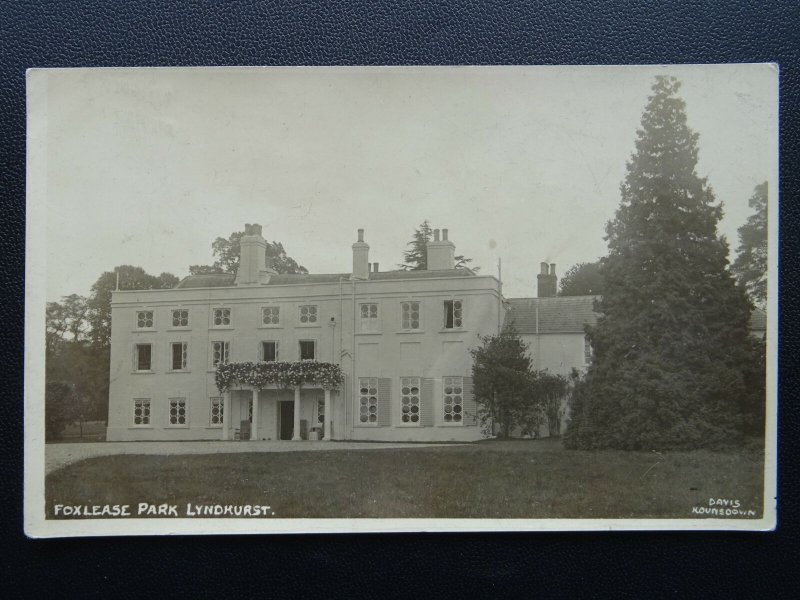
(61,455)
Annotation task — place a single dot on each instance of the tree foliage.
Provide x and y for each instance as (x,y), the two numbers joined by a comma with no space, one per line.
(228,250)
(750,265)
(502,377)
(416,257)
(672,345)
(582,279)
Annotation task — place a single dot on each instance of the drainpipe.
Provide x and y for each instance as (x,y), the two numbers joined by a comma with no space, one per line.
(353,364)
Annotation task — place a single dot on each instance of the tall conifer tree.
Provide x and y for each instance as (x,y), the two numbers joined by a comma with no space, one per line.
(672,345)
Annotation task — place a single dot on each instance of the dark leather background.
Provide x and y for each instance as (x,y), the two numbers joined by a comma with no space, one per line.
(294,32)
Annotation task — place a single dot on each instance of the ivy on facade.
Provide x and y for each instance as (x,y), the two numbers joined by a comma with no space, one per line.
(282,374)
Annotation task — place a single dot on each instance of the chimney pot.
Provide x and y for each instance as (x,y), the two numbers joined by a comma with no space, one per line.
(435,235)
(375,267)
(552,268)
(360,235)
(444,235)
(543,268)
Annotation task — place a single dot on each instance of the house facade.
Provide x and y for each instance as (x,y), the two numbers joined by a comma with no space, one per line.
(400,338)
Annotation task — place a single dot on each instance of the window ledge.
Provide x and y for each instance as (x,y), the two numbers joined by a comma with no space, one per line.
(221,328)
(262,326)
(177,372)
(308,325)
(179,328)
(453,330)
(141,427)
(144,330)
(369,333)
(410,331)
(213,427)
(142,372)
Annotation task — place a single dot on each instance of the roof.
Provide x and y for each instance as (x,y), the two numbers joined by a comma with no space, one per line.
(559,314)
(569,314)
(227,279)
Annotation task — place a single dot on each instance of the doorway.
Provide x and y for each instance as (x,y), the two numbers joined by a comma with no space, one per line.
(285,419)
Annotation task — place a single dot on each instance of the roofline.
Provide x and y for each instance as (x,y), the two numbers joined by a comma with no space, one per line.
(343,278)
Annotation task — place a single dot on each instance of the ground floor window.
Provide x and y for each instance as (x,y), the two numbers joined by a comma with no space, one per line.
(453,400)
(320,412)
(217,408)
(409,400)
(368,400)
(177,411)
(141,411)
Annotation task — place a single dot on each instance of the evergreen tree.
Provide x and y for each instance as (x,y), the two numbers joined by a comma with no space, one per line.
(582,279)
(416,257)
(750,265)
(672,345)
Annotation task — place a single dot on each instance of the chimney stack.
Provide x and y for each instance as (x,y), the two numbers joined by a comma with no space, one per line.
(546,280)
(253,258)
(441,253)
(360,257)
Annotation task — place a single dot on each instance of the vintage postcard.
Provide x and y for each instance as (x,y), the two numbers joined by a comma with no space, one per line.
(359,299)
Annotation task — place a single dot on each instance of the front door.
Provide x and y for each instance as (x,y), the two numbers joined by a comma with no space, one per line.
(286,420)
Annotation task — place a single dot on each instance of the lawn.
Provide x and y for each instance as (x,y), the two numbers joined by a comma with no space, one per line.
(525,479)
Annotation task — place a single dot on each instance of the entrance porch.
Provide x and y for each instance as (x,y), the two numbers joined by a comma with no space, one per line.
(303,413)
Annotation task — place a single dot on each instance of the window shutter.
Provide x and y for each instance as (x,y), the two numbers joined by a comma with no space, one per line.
(470,405)
(347,396)
(384,401)
(426,401)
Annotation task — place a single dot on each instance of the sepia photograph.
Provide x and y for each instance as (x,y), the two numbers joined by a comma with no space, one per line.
(352,299)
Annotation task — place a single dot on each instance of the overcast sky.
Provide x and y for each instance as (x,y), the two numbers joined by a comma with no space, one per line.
(148,166)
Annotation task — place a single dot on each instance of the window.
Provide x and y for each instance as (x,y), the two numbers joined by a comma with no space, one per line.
(222,317)
(369,317)
(308,350)
(453,400)
(452,314)
(144,319)
(180,318)
(271,315)
(219,353)
(410,312)
(308,314)
(217,408)
(320,412)
(143,357)
(368,400)
(269,351)
(177,411)
(178,356)
(409,400)
(141,411)
(587,351)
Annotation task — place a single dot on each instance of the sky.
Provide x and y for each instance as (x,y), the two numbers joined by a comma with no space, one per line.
(148,166)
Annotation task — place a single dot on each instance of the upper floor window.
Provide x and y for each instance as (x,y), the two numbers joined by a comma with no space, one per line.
(143,357)
(453,400)
(220,352)
(180,318)
(222,317)
(369,317)
(269,351)
(144,319)
(178,356)
(452,314)
(308,350)
(410,315)
(271,315)
(308,314)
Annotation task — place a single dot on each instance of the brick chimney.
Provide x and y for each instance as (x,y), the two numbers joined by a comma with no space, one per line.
(441,253)
(546,281)
(252,258)
(360,257)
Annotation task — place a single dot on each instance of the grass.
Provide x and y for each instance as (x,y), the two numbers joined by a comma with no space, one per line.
(535,479)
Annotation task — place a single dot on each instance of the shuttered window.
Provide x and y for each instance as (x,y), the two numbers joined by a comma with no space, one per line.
(410,400)
(374,401)
(470,404)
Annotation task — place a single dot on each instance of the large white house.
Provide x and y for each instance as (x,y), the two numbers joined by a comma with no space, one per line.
(401,339)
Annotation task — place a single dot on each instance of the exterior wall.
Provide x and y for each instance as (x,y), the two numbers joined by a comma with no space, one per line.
(388,353)
(557,353)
